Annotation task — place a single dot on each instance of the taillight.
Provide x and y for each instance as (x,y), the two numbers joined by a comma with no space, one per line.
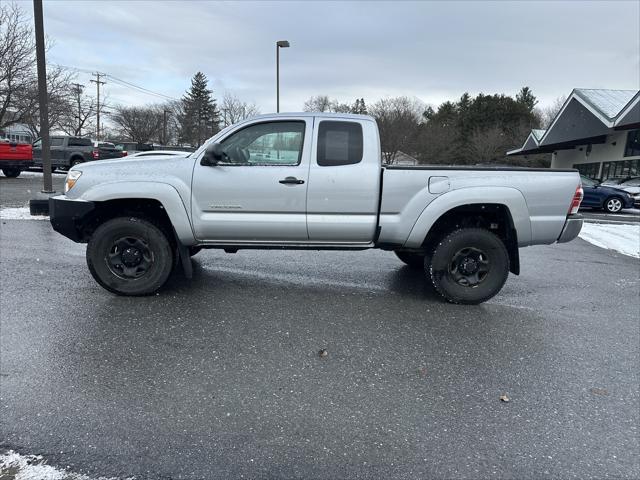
(577,198)
(95,154)
(124,153)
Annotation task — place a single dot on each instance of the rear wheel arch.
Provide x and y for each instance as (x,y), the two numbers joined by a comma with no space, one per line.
(494,217)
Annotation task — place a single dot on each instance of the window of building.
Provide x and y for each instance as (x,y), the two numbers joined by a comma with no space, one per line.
(590,170)
(632,149)
(272,143)
(621,169)
(339,143)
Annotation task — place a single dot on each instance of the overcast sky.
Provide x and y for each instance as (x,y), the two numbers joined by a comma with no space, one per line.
(434,51)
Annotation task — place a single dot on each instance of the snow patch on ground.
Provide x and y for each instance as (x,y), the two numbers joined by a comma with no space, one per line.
(19,213)
(33,467)
(621,238)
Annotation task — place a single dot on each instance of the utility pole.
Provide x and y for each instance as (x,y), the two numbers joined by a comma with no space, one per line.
(164,126)
(98,83)
(78,91)
(279,44)
(42,97)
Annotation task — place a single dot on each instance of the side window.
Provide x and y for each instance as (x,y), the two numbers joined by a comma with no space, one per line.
(57,141)
(339,143)
(37,144)
(632,148)
(273,143)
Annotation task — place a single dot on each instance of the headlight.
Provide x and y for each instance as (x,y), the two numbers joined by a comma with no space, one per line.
(72,178)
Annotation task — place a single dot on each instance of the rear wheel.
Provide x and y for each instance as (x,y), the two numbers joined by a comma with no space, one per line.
(469,266)
(414,260)
(613,204)
(11,172)
(129,256)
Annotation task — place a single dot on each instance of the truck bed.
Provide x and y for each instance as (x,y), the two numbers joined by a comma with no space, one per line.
(538,198)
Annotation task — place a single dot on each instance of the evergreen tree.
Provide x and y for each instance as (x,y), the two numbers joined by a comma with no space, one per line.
(200,118)
(359,107)
(527,98)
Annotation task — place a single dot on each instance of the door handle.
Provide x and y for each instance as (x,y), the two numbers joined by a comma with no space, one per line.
(291,181)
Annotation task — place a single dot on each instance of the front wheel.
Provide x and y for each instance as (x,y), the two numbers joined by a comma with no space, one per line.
(469,266)
(613,205)
(11,172)
(129,256)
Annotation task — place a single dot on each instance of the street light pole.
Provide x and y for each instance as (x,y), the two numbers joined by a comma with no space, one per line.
(279,44)
(42,98)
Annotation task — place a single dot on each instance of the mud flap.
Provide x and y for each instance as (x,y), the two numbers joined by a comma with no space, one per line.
(185,260)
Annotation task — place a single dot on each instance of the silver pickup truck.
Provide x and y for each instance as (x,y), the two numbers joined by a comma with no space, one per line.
(311,181)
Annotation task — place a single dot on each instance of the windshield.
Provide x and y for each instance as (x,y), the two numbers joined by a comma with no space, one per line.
(587,181)
(632,182)
(612,181)
(212,139)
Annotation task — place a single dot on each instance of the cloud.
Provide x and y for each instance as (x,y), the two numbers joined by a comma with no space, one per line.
(432,50)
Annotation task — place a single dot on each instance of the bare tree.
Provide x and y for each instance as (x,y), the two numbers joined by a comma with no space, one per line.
(321,103)
(59,96)
(140,124)
(487,145)
(82,112)
(398,120)
(17,60)
(234,110)
(547,114)
(172,111)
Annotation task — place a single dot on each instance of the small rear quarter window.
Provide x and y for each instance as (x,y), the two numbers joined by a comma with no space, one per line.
(339,143)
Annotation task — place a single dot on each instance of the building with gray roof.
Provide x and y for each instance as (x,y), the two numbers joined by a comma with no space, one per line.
(596,131)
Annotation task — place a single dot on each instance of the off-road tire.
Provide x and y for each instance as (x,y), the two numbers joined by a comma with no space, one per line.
(11,172)
(441,269)
(101,245)
(75,161)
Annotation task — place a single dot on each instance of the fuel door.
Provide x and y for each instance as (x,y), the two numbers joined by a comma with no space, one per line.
(439,185)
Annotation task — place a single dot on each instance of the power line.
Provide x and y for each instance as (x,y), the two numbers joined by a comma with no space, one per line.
(122,83)
(139,88)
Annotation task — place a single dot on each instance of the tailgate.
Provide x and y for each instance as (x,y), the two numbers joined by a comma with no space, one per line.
(16,151)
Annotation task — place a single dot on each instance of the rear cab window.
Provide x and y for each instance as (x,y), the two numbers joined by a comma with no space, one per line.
(339,143)
(79,142)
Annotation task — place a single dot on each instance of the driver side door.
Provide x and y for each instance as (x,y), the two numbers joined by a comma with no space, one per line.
(257,193)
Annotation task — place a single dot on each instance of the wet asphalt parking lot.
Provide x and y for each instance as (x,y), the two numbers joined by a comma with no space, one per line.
(220,377)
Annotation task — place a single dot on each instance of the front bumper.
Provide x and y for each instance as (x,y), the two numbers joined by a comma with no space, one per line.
(68,216)
(571,228)
(21,164)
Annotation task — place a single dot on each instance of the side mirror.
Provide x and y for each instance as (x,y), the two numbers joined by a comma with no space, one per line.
(212,155)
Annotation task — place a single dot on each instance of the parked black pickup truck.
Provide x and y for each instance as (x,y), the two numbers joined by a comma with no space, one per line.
(69,151)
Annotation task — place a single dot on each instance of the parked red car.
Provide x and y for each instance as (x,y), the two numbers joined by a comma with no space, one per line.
(15,157)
